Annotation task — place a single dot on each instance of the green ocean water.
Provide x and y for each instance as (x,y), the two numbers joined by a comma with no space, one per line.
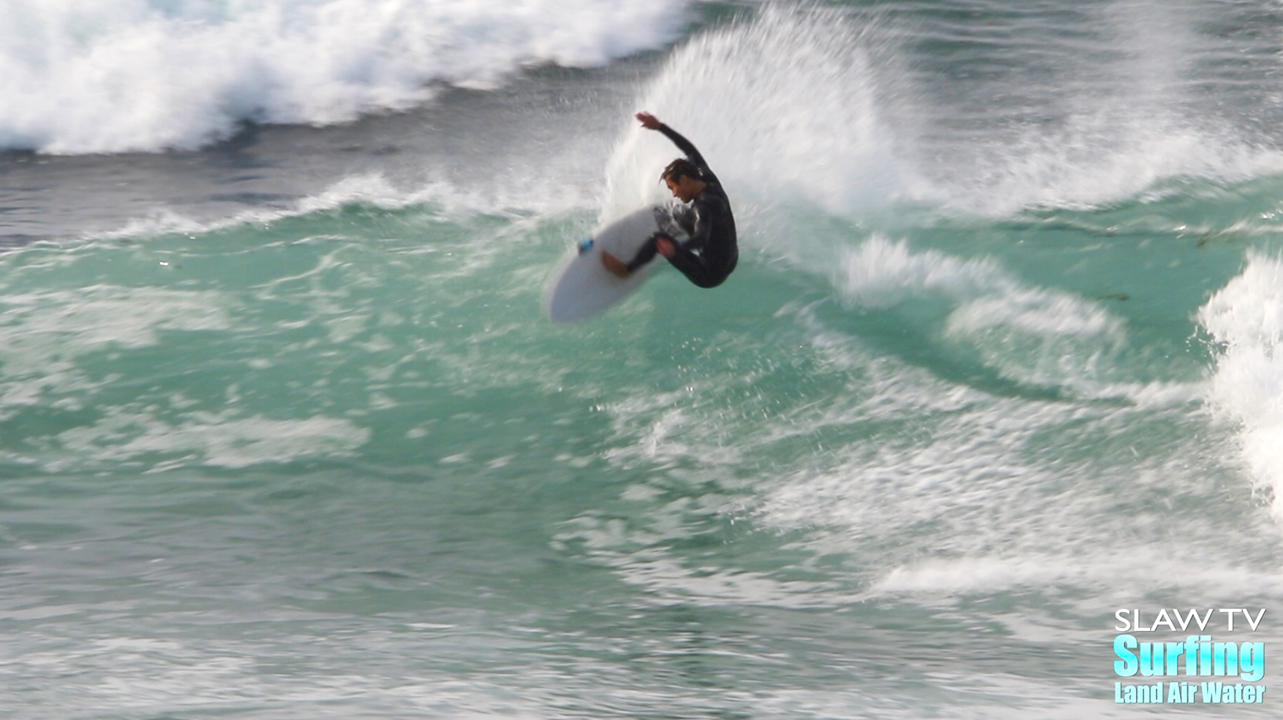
(284,432)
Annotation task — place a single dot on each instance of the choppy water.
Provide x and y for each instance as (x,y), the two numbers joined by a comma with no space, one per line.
(284,434)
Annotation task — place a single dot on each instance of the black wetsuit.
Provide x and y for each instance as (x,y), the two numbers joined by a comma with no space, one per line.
(713,234)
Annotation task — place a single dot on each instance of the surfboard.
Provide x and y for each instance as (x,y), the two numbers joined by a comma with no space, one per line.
(580,287)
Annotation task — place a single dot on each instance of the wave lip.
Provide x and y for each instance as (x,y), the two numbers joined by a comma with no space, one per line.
(124,75)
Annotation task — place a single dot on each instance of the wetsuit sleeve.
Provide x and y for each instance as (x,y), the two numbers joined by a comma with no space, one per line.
(688,149)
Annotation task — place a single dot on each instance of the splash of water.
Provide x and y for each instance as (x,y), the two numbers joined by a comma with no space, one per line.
(1246,319)
(785,107)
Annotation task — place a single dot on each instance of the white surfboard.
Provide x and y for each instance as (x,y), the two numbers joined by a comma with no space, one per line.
(580,286)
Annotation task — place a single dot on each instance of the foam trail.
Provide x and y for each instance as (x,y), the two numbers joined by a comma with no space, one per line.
(1246,319)
(126,75)
(1029,334)
(881,273)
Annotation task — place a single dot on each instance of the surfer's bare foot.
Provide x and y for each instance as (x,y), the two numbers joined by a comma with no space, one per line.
(617,267)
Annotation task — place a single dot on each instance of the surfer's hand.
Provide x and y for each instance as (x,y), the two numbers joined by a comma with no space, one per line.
(665,245)
(648,121)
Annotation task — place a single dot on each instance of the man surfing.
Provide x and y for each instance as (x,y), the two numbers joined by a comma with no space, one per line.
(710,255)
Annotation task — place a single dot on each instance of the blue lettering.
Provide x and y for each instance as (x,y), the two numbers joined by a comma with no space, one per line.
(1126,665)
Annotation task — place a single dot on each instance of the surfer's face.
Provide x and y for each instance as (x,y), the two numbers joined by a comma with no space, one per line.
(685,189)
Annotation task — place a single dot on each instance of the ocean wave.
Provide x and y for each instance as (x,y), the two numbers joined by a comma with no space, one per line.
(1099,159)
(847,110)
(133,75)
(370,190)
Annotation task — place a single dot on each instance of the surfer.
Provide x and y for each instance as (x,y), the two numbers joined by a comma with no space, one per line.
(710,254)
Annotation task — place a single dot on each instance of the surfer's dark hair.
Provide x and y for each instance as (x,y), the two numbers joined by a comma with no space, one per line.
(680,168)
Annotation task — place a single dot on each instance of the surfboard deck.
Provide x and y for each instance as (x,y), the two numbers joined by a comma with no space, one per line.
(581,287)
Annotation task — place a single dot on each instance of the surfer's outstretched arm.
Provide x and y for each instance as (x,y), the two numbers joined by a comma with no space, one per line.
(650,122)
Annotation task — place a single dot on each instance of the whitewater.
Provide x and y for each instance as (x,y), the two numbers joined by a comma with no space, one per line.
(285,434)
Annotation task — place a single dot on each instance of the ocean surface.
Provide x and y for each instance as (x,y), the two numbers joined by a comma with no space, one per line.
(285,434)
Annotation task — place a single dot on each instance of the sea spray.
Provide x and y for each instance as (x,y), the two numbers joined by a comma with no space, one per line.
(1245,319)
(787,105)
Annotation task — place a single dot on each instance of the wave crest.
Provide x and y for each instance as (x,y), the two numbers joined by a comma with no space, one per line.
(127,75)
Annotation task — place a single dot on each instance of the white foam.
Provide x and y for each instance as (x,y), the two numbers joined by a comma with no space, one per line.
(817,108)
(82,76)
(372,189)
(1246,319)
(222,440)
(881,273)
(787,104)
(47,331)
(1098,159)
(1143,567)
(1030,334)
(1006,493)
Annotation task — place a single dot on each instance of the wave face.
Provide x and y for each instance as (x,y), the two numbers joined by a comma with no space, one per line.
(283,432)
(132,75)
